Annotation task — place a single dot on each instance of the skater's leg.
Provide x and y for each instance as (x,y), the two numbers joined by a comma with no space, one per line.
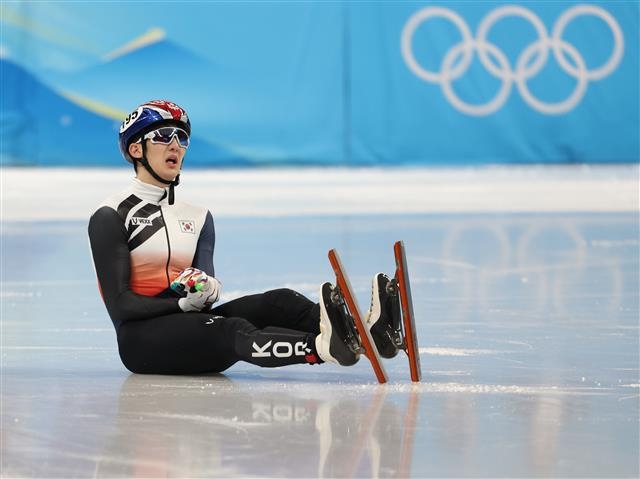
(193,343)
(275,346)
(272,347)
(283,308)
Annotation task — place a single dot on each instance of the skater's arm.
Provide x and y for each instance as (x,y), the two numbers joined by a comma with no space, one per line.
(203,258)
(108,239)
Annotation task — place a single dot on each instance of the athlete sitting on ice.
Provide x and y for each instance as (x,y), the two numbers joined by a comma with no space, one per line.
(143,242)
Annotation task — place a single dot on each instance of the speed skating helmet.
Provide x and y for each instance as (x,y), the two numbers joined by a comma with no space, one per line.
(147,117)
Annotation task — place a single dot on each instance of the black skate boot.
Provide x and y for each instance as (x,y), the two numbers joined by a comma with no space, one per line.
(383,318)
(338,341)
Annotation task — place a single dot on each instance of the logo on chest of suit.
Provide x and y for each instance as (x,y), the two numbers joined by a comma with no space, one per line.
(136,221)
(187,226)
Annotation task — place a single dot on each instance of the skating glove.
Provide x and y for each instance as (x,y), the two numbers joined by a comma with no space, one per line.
(201,289)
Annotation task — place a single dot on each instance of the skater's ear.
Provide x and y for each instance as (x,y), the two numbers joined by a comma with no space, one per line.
(135,150)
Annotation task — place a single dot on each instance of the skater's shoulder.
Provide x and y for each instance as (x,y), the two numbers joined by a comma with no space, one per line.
(189,207)
(116,198)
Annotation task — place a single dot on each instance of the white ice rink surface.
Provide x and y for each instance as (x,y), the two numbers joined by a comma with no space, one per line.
(526,293)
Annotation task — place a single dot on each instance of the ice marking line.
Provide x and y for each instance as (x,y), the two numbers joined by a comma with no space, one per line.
(303,286)
(507,360)
(458,352)
(614,243)
(624,398)
(502,389)
(516,343)
(69,282)
(551,267)
(449,373)
(18,294)
(54,348)
(453,264)
(430,281)
(80,330)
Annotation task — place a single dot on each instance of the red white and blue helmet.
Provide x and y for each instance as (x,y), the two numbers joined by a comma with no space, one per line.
(147,117)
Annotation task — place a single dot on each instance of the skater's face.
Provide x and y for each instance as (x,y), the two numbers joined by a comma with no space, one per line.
(164,159)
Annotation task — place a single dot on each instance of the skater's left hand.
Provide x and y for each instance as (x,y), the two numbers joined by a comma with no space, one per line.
(201,289)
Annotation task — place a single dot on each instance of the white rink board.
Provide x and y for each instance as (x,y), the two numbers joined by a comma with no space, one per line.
(74,193)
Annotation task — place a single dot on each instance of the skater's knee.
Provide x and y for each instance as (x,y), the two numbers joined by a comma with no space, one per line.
(285,298)
(134,361)
(131,359)
(132,352)
(280,294)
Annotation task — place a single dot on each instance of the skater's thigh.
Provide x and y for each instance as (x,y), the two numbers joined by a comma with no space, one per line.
(282,307)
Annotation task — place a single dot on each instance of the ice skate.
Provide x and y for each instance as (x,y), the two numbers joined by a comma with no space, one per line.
(338,341)
(383,318)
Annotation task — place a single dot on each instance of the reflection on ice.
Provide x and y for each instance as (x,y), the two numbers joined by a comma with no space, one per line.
(216,427)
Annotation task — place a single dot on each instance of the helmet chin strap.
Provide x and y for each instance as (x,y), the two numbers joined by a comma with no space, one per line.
(147,166)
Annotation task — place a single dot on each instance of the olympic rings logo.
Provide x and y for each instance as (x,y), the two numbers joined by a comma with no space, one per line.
(525,68)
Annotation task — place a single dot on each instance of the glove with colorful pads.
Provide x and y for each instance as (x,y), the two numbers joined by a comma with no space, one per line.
(201,289)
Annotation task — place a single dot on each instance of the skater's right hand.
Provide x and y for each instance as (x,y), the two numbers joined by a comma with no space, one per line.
(201,289)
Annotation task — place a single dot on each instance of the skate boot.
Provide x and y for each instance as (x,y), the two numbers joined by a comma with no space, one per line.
(338,341)
(383,318)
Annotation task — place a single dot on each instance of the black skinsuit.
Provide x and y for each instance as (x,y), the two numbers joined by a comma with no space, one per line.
(139,244)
